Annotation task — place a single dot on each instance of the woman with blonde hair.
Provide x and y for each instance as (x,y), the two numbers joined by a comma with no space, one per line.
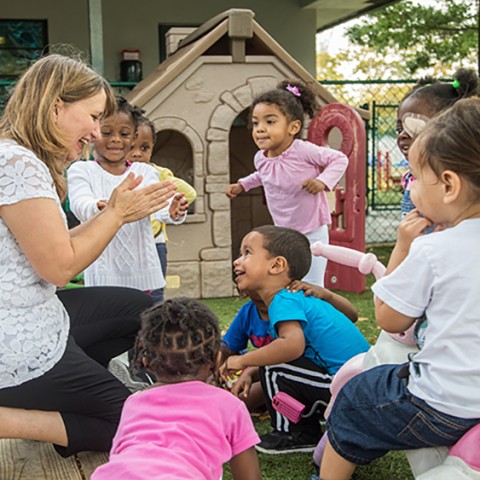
(54,346)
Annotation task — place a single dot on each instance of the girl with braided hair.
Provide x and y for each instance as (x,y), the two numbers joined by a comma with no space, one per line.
(181,427)
(294,173)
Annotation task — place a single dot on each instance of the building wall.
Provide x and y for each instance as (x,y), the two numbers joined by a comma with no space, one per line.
(135,25)
(67,19)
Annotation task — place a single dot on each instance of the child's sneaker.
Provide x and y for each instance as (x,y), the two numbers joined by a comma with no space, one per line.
(120,369)
(277,443)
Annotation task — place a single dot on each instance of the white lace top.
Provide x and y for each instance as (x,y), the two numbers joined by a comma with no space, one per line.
(34,324)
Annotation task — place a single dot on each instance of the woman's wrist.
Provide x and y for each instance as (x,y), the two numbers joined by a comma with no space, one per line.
(113,215)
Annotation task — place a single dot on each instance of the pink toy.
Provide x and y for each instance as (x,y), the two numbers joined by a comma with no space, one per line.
(365,263)
(468,447)
(289,407)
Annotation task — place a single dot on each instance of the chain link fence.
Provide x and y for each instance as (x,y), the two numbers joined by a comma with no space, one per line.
(385,162)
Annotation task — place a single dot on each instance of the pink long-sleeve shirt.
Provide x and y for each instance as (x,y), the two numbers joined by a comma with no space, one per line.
(282,178)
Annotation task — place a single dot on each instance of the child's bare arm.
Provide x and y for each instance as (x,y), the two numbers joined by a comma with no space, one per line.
(289,346)
(413,225)
(225,353)
(389,319)
(337,301)
(245,466)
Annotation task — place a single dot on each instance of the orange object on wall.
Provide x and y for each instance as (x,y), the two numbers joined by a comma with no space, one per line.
(348,217)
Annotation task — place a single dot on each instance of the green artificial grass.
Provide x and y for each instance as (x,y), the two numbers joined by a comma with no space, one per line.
(393,466)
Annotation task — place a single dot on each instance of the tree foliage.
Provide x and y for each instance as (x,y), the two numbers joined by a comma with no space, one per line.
(424,36)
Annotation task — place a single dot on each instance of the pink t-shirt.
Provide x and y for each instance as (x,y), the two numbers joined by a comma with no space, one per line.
(180,431)
(282,178)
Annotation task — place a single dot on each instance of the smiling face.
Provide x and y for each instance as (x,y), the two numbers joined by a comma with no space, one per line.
(116,139)
(417,107)
(142,145)
(252,266)
(272,131)
(80,122)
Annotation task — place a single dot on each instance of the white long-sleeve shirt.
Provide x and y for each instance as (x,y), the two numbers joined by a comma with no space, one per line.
(130,259)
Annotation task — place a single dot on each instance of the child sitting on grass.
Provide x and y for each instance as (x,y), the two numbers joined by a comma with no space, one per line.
(181,427)
(252,323)
(311,339)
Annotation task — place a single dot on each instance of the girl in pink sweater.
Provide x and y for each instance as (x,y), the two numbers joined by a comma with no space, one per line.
(294,173)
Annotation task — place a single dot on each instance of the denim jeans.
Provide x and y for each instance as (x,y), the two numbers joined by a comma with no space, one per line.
(375,413)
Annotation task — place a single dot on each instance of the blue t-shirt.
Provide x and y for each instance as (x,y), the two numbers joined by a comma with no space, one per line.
(247,325)
(330,337)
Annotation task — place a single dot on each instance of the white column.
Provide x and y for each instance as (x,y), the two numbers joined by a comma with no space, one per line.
(96,34)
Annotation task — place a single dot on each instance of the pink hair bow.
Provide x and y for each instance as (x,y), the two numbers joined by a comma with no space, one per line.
(294,89)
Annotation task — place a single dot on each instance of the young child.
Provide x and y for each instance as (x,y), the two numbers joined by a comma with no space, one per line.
(435,398)
(425,100)
(181,427)
(130,260)
(251,324)
(311,339)
(142,152)
(294,173)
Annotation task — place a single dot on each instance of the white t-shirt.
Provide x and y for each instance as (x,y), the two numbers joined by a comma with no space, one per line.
(130,259)
(34,324)
(441,278)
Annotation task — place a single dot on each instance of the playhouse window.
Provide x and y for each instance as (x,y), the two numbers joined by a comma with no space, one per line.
(173,150)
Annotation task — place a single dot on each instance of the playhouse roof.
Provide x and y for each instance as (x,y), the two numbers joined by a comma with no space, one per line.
(232,33)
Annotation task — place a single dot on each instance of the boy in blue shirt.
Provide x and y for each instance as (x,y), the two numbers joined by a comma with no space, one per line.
(251,324)
(311,339)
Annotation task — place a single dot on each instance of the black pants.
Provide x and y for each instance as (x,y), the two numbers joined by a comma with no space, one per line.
(104,322)
(305,381)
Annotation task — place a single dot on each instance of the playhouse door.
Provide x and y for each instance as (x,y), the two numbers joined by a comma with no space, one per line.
(348,215)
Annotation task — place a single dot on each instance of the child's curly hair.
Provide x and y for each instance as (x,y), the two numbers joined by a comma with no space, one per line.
(177,337)
(442,95)
(293,105)
(124,106)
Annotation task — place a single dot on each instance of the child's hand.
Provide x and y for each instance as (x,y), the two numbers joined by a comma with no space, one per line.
(309,289)
(233,190)
(313,186)
(178,207)
(130,203)
(413,225)
(337,301)
(101,204)
(242,386)
(232,364)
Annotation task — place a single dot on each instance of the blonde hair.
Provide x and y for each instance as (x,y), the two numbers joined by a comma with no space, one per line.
(29,114)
